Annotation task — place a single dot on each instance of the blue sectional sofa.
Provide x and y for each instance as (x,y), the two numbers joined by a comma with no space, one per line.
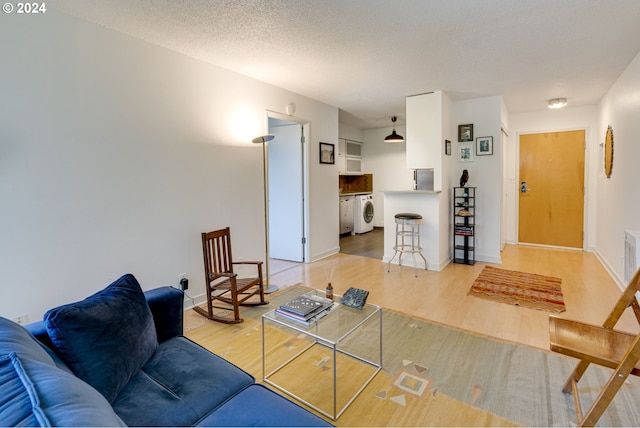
(118,358)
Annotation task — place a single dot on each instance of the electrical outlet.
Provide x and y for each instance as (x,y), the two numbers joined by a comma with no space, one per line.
(20,319)
(183,281)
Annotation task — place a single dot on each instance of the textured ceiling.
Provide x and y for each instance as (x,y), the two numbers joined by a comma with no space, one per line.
(366,56)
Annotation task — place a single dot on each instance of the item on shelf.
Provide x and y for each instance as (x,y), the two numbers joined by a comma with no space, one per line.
(302,320)
(329,291)
(463,230)
(305,309)
(355,297)
(306,304)
(464,213)
(464,177)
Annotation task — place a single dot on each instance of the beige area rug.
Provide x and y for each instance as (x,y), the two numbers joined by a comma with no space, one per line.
(519,288)
(437,376)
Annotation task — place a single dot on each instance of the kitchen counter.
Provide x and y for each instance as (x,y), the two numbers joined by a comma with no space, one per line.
(433,206)
(355,193)
(414,192)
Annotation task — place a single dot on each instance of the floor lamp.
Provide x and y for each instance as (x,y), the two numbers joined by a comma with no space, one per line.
(269,288)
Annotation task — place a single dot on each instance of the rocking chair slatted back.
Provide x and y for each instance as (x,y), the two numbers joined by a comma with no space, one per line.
(217,251)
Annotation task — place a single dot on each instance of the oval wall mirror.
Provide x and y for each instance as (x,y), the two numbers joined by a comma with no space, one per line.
(608,152)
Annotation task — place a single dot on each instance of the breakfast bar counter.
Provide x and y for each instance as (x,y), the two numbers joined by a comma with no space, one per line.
(433,206)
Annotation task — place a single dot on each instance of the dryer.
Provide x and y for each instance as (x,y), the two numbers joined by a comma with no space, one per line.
(363,216)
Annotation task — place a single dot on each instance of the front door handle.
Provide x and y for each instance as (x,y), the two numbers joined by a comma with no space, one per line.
(523,187)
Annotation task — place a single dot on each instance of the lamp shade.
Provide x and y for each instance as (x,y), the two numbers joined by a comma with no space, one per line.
(394,137)
(263,139)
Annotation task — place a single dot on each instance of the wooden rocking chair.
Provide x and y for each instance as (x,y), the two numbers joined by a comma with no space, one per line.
(604,346)
(223,284)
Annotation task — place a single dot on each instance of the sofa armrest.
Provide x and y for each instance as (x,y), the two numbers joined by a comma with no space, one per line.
(167,307)
(39,331)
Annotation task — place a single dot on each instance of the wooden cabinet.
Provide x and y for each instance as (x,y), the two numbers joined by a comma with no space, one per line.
(464,225)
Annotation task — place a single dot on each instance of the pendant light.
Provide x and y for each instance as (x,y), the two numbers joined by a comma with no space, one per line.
(394,137)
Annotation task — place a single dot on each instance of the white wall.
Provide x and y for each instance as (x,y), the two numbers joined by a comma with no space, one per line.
(116,154)
(618,203)
(485,172)
(387,163)
(565,119)
(350,132)
(448,164)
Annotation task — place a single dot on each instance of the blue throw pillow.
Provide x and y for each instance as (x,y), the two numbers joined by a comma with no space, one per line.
(106,338)
(39,394)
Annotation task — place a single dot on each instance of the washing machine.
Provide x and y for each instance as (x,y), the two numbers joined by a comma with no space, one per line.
(363,216)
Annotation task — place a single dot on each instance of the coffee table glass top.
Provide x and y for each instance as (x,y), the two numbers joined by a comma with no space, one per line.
(337,323)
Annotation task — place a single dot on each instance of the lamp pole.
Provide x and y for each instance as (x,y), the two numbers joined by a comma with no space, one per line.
(269,288)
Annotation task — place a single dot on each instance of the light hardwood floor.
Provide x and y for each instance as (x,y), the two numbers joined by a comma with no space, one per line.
(589,291)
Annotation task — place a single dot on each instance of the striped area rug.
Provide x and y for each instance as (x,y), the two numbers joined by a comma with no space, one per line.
(433,375)
(519,288)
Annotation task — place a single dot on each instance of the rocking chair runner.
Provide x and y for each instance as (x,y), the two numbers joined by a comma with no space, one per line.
(222,282)
(604,346)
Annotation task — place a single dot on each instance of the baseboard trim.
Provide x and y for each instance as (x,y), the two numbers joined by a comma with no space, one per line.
(324,254)
(612,273)
(419,262)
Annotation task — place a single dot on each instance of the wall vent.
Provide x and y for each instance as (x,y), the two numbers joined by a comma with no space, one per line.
(631,253)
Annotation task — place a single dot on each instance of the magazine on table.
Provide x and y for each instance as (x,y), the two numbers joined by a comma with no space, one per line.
(306,305)
(309,320)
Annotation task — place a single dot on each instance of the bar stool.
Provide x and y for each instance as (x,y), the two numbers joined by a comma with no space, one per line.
(408,226)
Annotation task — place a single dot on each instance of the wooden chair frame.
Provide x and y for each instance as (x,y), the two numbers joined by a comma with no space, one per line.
(222,283)
(602,345)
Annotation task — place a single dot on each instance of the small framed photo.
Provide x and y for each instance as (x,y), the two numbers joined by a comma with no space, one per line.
(484,146)
(465,152)
(327,153)
(447,147)
(465,132)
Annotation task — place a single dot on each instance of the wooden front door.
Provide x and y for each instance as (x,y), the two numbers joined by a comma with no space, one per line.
(551,203)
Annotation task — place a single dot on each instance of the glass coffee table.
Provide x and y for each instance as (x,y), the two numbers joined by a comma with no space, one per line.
(327,364)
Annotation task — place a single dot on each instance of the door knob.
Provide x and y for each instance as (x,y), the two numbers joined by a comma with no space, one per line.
(523,187)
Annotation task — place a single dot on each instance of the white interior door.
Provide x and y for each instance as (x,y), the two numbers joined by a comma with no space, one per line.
(286,213)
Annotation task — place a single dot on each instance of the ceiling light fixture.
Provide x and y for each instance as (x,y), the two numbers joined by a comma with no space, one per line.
(557,103)
(394,137)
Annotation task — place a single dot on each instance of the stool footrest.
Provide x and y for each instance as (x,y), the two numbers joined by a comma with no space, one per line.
(407,248)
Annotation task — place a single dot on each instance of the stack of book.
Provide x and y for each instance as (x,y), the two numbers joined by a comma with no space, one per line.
(463,230)
(305,309)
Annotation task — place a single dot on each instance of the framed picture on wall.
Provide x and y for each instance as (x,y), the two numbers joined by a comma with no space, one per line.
(484,146)
(327,153)
(465,132)
(465,152)
(447,147)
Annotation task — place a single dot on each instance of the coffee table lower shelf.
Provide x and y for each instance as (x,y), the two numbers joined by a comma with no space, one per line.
(326,374)
(290,377)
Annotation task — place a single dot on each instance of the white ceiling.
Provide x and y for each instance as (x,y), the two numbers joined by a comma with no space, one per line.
(366,56)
